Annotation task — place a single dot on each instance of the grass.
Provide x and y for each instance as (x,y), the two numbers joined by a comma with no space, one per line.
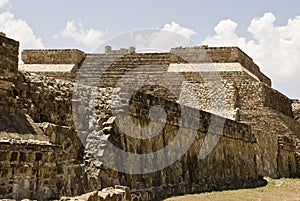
(276,190)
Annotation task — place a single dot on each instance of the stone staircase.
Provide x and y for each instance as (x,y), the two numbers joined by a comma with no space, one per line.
(93,67)
(128,71)
(133,70)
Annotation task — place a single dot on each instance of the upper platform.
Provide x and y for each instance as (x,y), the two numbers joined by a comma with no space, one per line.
(197,54)
(221,55)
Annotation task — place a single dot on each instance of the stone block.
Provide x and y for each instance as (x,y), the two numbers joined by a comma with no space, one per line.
(53,56)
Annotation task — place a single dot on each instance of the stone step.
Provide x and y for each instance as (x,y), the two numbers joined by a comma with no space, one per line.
(108,69)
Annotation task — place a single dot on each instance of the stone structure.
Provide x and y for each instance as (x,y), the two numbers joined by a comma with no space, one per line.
(61,64)
(46,148)
(109,50)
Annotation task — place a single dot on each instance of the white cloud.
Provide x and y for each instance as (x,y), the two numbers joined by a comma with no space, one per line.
(88,37)
(276,49)
(176,28)
(162,39)
(4,3)
(145,40)
(225,35)
(19,30)
(171,35)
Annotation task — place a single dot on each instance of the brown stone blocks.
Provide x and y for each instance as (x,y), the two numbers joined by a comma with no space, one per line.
(9,50)
(53,56)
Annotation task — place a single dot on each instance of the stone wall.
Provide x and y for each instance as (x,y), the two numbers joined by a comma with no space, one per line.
(9,50)
(239,91)
(269,126)
(23,168)
(50,102)
(62,64)
(253,94)
(55,56)
(45,99)
(231,164)
(296,109)
(277,101)
(288,164)
(225,91)
(32,165)
(42,170)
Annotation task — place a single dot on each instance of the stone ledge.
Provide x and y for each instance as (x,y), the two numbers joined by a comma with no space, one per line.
(53,56)
(46,68)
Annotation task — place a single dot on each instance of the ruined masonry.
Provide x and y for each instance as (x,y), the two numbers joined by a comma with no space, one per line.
(52,137)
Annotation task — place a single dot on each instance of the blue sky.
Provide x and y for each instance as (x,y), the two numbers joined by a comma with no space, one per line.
(266,30)
(47,18)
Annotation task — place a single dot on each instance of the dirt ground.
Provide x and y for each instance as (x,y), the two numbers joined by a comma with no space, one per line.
(276,190)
